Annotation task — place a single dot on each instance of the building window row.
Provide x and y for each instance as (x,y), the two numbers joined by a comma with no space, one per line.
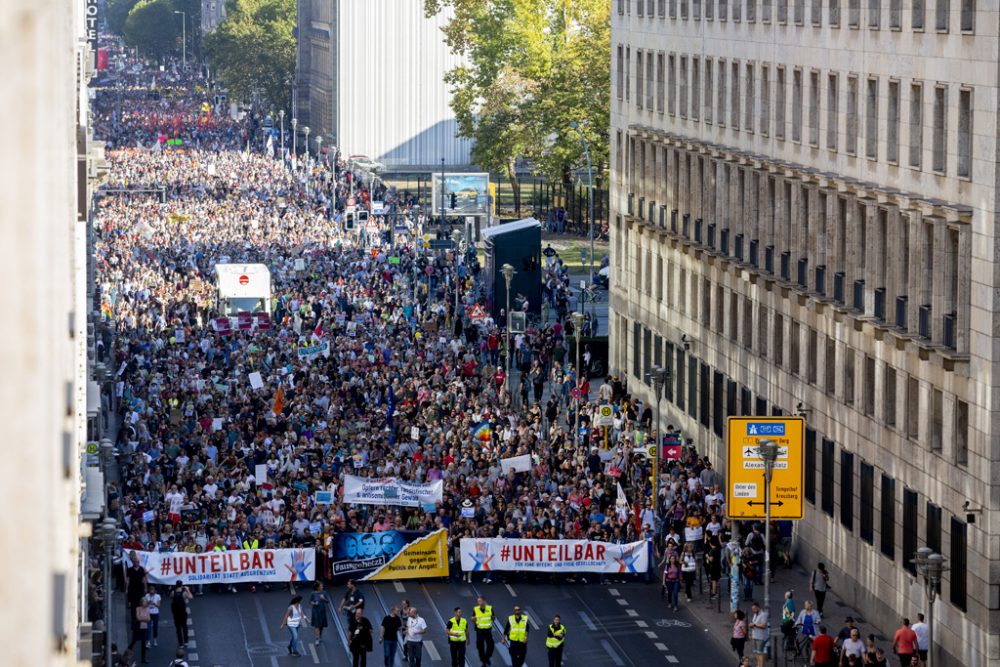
(874,107)
(878,15)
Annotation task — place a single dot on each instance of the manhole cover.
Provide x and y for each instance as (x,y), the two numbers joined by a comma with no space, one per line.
(672,623)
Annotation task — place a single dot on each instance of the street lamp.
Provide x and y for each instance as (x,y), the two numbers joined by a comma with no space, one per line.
(577,328)
(459,239)
(184,58)
(590,190)
(281,117)
(768,452)
(508,275)
(295,142)
(305,130)
(658,377)
(107,533)
(930,565)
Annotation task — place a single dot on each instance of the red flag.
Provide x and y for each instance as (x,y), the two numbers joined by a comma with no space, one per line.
(279,401)
(318,331)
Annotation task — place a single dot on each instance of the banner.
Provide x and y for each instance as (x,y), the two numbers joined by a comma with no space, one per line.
(390,554)
(391,491)
(520,463)
(497,553)
(310,351)
(228,567)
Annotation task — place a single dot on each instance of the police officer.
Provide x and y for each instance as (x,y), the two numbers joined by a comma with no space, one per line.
(484,630)
(457,638)
(554,641)
(516,637)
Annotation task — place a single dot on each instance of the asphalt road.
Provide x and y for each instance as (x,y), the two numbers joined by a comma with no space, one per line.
(612,625)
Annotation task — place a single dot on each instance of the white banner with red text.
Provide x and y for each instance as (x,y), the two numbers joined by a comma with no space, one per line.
(228,567)
(498,553)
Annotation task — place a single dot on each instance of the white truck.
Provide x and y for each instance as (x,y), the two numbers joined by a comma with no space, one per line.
(243,288)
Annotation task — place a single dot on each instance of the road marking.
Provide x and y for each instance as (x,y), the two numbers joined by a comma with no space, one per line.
(193,657)
(189,621)
(615,658)
(671,659)
(623,602)
(432,650)
(510,589)
(632,612)
(642,624)
(586,621)
(192,644)
(660,646)
(312,649)
(263,629)
(614,591)
(399,587)
(650,634)
(531,617)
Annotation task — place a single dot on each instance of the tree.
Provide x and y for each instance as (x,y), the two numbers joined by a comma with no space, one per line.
(117,12)
(253,51)
(152,28)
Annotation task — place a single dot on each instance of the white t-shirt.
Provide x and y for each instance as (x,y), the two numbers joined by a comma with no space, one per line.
(854,647)
(923,635)
(294,616)
(415,629)
(175,500)
(154,602)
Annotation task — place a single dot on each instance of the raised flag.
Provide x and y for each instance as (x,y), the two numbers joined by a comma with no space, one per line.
(279,401)
(481,431)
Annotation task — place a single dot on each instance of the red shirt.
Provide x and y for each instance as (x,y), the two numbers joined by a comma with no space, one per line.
(823,649)
(905,641)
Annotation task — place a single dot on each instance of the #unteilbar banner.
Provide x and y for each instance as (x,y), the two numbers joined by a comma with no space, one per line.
(497,553)
(228,567)
(391,491)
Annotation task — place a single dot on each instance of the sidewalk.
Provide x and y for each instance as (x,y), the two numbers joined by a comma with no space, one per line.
(719,624)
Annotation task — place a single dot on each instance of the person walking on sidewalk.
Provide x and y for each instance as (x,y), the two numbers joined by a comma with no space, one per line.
(904,643)
(153,599)
(739,637)
(759,633)
(922,632)
(819,584)
(823,649)
(672,581)
(180,596)
(689,567)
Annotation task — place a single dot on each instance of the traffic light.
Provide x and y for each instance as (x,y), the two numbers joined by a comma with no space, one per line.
(454,200)
(348,221)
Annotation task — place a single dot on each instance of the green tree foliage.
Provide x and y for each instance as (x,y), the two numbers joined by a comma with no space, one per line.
(117,13)
(152,28)
(253,51)
(531,67)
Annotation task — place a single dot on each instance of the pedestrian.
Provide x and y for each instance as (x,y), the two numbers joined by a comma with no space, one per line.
(819,584)
(759,633)
(823,649)
(672,581)
(808,620)
(353,601)
(180,659)
(458,637)
(738,639)
(689,567)
(413,645)
(318,600)
(360,639)
(904,644)
(516,637)
(388,636)
(153,600)
(852,646)
(135,583)
(923,639)
(554,641)
(293,619)
(483,614)
(180,597)
(140,628)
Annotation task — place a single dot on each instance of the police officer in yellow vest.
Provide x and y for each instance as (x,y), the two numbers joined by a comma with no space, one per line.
(554,641)
(457,637)
(484,630)
(516,637)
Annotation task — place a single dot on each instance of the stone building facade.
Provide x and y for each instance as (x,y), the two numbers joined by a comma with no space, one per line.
(804,196)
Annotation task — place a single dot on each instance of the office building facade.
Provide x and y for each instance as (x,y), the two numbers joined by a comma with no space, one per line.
(804,198)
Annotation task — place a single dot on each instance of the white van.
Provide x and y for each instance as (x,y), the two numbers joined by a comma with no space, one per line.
(243,288)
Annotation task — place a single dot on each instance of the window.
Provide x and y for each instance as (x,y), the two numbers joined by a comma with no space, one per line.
(751,11)
(871,121)
(968,18)
(710,9)
(965,133)
(892,124)
(834,13)
(934,527)
(765,10)
(671,83)
(826,476)
(831,367)
(796,105)
(737,10)
(816,13)
(916,125)
(718,411)
(649,8)
(723,9)
(660,84)
(852,115)
(684,10)
(661,7)
(895,14)
(831,112)
(874,13)
(793,335)
(695,88)
(868,386)
(917,15)
(748,104)
(628,74)
(854,13)
(847,489)
(782,11)
(912,407)
(779,339)
(889,396)
(867,502)
(961,429)
(762,321)
(849,374)
(696,10)
(814,108)
(621,7)
(693,388)
(811,355)
(636,347)
(680,377)
(941,14)
(800,11)
(734,98)
(620,73)
(747,323)
(765,100)
(887,529)
(809,464)
(707,97)
(639,5)
(959,563)
(638,79)
(721,106)
(779,104)
(649,81)
(684,88)
(673,9)
(668,359)
(936,435)
(909,528)
(939,157)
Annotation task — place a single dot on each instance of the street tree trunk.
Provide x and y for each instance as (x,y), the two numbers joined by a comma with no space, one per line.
(515,187)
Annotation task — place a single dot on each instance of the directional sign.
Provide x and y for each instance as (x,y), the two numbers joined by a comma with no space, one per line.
(606,416)
(745,468)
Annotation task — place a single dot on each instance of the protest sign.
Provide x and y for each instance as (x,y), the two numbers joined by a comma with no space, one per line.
(228,567)
(516,463)
(391,491)
(390,554)
(497,553)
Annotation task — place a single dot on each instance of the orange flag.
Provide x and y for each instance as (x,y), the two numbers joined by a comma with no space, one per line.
(279,401)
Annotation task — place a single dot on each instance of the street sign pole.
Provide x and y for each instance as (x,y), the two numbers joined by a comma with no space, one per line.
(768,451)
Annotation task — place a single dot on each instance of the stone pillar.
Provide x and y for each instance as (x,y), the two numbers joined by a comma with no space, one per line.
(942,276)
(870,251)
(963,304)
(919,265)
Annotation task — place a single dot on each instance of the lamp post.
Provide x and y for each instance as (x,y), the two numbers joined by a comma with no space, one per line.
(295,142)
(658,377)
(768,452)
(577,328)
(508,275)
(184,41)
(107,533)
(930,565)
(590,190)
(281,118)
(305,130)
(458,238)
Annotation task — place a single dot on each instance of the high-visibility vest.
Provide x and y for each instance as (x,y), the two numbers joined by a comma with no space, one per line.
(247,544)
(484,618)
(518,629)
(456,631)
(218,548)
(559,637)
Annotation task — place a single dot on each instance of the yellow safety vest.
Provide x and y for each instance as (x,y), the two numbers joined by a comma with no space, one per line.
(456,633)
(484,619)
(559,637)
(518,629)
(251,545)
